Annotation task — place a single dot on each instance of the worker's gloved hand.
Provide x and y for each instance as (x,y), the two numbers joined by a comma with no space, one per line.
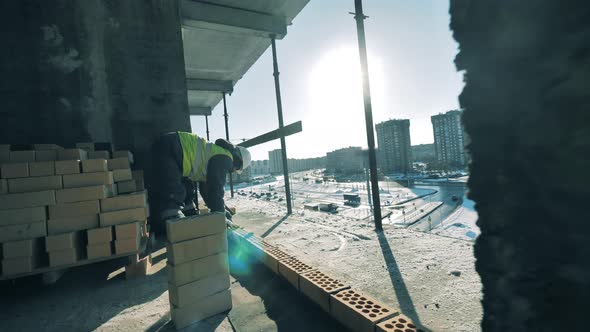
(230,224)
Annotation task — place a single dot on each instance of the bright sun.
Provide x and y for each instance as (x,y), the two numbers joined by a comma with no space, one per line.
(336,93)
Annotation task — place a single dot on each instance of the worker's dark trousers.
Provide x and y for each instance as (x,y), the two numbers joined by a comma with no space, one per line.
(173,191)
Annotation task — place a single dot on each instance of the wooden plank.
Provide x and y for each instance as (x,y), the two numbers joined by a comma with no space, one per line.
(288,130)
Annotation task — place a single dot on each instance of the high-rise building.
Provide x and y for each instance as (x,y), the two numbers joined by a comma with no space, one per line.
(393,139)
(449,139)
(275,161)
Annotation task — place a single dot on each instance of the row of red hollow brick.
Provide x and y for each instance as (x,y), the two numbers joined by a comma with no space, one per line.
(353,309)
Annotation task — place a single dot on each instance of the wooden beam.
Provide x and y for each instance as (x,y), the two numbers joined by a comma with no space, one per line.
(288,130)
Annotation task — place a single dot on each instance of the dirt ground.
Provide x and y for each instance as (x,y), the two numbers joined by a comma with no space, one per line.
(430,278)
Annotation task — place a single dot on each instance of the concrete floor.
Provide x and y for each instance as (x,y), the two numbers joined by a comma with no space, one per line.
(431,279)
(98,298)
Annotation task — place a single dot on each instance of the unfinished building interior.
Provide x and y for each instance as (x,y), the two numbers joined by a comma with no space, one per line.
(126,72)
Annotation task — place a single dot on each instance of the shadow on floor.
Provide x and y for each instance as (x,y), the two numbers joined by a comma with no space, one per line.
(83,299)
(273,227)
(265,302)
(407,306)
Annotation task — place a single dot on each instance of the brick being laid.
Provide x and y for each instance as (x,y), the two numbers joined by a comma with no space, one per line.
(357,311)
(318,286)
(123,154)
(290,269)
(193,227)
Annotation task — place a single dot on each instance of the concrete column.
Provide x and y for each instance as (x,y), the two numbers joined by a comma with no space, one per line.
(526,111)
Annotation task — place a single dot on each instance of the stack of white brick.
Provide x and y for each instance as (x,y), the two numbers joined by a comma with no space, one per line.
(71,200)
(198,272)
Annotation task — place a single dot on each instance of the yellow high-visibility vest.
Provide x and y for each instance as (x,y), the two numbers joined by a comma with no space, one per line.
(196,153)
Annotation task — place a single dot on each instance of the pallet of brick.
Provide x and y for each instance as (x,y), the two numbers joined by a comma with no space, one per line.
(76,209)
(357,311)
(23,215)
(72,154)
(21,256)
(64,249)
(198,279)
(99,242)
(128,237)
(123,209)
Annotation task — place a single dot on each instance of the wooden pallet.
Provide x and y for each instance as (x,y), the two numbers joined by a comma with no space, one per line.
(54,272)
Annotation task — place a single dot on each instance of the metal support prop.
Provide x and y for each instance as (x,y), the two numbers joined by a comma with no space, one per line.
(207,125)
(360,17)
(280,112)
(231,181)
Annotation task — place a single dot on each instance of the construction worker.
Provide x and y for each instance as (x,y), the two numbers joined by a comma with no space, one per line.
(181,159)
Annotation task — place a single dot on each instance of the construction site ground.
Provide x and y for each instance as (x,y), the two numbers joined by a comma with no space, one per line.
(429,278)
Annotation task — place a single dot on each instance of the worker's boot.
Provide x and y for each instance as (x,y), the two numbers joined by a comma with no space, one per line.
(171,214)
(190,210)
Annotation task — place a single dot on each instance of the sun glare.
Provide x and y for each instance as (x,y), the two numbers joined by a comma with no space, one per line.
(335,90)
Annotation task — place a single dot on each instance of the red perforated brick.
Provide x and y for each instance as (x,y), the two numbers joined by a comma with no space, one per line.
(357,311)
(272,256)
(318,287)
(291,269)
(399,323)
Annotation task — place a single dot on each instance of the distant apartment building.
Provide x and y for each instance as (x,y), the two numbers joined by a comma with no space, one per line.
(260,167)
(393,139)
(449,139)
(275,163)
(423,153)
(347,160)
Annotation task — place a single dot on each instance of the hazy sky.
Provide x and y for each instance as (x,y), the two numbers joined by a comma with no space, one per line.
(411,52)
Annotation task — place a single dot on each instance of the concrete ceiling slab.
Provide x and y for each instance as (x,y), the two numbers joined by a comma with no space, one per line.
(224,38)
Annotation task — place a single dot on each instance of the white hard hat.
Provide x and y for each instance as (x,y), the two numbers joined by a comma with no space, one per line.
(246,157)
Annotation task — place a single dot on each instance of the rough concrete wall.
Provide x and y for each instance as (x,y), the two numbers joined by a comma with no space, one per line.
(92,70)
(526,104)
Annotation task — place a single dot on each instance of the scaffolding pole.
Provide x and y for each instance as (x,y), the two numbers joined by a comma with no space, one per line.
(280,112)
(207,125)
(360,17)
(231,182)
